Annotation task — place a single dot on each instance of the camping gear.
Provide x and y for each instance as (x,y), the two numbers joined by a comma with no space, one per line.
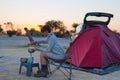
(28,63)
(29,67)
(28,34)
(60,63)
(23,60)
(31,50)
(96,45)
(30,58)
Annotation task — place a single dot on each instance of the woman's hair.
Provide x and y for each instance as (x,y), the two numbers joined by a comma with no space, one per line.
(46,28)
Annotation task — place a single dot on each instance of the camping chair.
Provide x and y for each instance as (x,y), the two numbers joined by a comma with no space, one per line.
(60,63)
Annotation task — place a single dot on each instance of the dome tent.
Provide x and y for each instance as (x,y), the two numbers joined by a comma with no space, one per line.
(96,46)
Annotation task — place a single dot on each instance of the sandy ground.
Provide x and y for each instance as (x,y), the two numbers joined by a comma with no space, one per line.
(10,61)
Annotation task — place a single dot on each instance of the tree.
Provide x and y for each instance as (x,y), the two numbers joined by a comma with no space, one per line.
(74,25)
(40,27)
(19,32)
(10,33)
(56,25)
(9,25)
(1,29)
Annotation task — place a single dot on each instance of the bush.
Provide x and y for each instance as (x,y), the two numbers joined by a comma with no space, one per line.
(11,33)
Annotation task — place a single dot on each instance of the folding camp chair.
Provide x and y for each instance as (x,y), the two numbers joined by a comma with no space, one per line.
(60,63)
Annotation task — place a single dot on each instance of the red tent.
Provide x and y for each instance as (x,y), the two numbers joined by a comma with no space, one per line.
(97,46)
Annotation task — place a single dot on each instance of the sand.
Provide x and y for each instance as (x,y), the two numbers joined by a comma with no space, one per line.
(11,53)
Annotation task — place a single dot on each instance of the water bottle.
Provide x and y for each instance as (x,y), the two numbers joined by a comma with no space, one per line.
(30,59)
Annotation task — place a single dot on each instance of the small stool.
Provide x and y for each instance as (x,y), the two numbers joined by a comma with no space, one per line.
(29,67)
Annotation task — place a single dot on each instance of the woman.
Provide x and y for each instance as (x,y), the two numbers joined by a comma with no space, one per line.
(54,50)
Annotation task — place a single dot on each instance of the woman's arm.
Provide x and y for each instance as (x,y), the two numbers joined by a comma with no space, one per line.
(41,41)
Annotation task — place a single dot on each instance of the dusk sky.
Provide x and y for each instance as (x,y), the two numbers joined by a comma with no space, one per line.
(31,13)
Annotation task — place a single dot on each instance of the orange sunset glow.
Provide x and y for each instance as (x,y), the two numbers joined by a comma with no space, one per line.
(31,13)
